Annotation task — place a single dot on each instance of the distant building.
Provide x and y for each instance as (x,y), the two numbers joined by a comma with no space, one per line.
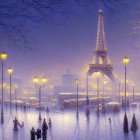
(67,84)
(68,80)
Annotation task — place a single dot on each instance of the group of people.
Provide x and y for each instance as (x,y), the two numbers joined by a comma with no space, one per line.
(38,132)
(134,126)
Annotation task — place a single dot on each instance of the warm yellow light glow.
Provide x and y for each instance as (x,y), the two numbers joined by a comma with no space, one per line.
(16,86)
(44,80)
(100,60)
(109,88)
(105,82)
(10,70)
(82,85)
(98,74)
(25,92)
(35,80)
(32,92)
(125,60)
(4,84)
(51,86)
(76,81)
(12,91)
(133,84)
(3,56)
(67,118)
(95,87)
(100,11)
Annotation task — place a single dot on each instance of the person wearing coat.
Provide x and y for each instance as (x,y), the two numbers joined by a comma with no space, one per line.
(134,125)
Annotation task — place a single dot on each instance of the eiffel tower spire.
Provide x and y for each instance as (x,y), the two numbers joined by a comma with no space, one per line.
(101,60)
(100,41)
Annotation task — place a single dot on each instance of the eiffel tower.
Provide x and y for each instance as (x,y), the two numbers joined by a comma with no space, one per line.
(101,60)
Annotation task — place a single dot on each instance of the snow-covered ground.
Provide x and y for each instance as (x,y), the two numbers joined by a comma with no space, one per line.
(65,126)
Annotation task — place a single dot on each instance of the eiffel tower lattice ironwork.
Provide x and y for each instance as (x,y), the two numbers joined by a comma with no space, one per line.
(101,60)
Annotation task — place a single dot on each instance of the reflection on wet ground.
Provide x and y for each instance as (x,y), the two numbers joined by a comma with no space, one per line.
(65,126)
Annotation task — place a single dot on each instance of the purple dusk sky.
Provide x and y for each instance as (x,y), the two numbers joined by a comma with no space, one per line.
(67,39)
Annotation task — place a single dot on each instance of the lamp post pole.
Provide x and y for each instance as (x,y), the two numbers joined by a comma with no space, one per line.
(125,123)
(2,116)
(3,58)
(77,112)
(87,92)
(119,92)
(16,96)
(98,92)
(10,71)
(10,92)
(39,85)
(98,75)
(39,103)
(125,88)
(133,92)
(104,88)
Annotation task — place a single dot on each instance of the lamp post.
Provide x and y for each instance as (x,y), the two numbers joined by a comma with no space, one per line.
(125,62)
(10,71)
(87,92)
(119,91)
(16,86)
(98,75)
(105,82)
(77,82)
(133,86)
(39,84)
(3,58)
(121,82)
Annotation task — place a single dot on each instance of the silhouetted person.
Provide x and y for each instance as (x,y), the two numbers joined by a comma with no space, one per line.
(47,109)
(50,123)
(44,129)
(125,124)
(134,125)
(32,132)
(109,120)
(16,123)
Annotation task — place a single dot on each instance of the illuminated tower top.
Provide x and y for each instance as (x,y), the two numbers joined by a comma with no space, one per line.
(100,41)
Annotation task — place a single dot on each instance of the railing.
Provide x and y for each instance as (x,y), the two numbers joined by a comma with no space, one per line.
(101,65)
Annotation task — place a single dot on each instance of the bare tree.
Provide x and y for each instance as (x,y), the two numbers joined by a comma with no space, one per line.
(16,15)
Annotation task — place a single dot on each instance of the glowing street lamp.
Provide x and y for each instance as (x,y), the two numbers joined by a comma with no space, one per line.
(3,57)
(10,71)
(35,80)
(39,83)
(77,82)
(125,62)
(44,80)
